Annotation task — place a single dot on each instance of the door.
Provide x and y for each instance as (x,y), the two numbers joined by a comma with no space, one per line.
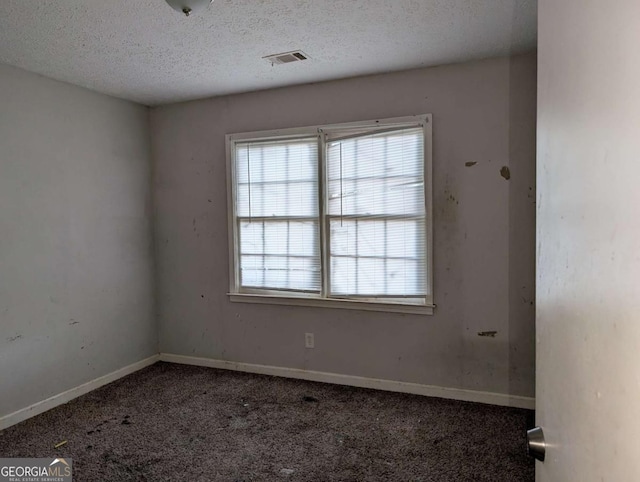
(588,236)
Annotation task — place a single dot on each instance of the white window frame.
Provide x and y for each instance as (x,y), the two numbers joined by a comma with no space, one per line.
(244,295)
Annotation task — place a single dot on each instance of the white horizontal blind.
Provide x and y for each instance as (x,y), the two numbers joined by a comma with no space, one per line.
(376,215)
(277,214)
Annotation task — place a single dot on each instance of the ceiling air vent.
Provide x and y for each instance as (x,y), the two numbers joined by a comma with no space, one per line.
(286,58)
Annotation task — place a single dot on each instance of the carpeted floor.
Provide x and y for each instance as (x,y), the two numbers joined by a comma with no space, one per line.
(180,423)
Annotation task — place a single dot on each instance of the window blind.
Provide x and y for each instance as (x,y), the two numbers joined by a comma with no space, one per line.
(376,214)
(277,214)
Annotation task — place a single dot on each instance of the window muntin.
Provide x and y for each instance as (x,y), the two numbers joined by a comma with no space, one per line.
(334,213)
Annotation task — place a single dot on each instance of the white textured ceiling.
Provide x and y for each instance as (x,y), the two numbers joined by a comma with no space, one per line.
(144,51)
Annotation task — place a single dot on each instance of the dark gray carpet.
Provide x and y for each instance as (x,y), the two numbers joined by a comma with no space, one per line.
(180,423)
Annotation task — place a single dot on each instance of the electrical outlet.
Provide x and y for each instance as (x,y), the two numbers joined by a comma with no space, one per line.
(309,341)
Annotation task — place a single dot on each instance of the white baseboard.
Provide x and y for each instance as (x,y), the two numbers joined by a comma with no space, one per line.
(355,381)
(501,399)
(67,396)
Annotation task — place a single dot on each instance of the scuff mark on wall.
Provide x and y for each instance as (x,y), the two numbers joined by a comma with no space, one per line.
(14,338)
(470,163)
(490,334)
(448,203)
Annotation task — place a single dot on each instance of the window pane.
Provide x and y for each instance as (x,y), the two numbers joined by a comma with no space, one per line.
(277,178)
(377,210)
(405,276)
(371,277)
(378,257)
(280,255)
(377,174)
(343,276)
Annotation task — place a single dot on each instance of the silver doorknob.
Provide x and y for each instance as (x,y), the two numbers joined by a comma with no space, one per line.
(536,446)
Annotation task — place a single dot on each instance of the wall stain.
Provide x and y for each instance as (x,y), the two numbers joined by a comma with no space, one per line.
(14,338)
(505,172)
(491,334)
(446,206)
(73,322)
(470,163)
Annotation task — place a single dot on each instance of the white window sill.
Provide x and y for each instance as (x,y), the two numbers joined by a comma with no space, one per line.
(332,303)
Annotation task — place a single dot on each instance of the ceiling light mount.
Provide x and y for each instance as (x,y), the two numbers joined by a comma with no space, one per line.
(189,7)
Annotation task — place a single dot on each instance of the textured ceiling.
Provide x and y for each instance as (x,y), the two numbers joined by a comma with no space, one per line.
(144,51)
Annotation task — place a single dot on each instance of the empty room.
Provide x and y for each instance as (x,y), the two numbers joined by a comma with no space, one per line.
(348,240)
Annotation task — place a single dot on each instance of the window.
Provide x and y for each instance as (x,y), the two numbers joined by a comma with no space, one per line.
(333,215)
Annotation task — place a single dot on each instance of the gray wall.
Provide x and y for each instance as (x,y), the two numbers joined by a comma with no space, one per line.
(484,227)
(76,279)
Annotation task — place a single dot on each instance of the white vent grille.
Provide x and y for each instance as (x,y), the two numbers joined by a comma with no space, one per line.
(286,57)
